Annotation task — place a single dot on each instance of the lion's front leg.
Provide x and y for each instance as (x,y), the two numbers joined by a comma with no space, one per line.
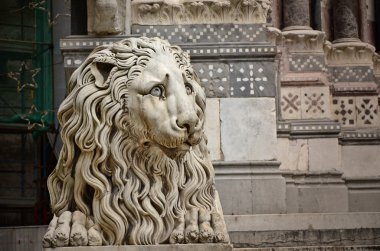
(217,222)
(192,229)
(186,228)
(72,229)
(62,232)
(78,234)
(206,233)
(219,227)
(178,234)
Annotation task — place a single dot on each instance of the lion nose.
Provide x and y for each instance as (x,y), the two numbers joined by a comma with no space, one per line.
(187,121)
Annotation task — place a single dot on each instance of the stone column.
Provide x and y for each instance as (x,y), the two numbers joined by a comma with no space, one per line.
(296,14)
(345,16)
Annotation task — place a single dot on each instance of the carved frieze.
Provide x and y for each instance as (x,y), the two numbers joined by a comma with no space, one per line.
(200,11)
(310,41)
(349,53)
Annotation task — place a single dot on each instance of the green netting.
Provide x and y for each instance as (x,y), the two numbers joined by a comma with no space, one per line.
(26,64)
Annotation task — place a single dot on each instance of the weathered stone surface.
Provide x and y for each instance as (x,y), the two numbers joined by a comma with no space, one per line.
(329,198)
(293,154)
(212,128)
(317,192)
(364,194)
(360,160)
(176,247)
(256,181)
(297,230)
(365,200)
(309,240)
(248,128)
(326,247)
(324,154)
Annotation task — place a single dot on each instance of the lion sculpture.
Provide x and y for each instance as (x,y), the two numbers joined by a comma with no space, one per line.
(134,167)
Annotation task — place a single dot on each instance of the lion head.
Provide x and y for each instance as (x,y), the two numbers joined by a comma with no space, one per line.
(134,151)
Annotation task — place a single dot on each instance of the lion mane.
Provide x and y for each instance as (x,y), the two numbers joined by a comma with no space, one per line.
(133,192)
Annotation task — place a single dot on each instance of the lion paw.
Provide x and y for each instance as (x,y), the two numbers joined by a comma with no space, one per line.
(78,235)
(206,233)
(199,225)
(71,229)
(177,237)
(62,231)
(192,233)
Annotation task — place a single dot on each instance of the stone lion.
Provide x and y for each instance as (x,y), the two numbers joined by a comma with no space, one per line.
(134,168)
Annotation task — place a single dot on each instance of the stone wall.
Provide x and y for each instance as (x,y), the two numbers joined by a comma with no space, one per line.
(293,107)
(285,95)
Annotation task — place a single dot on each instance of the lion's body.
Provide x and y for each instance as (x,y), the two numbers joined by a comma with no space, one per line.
(106,170)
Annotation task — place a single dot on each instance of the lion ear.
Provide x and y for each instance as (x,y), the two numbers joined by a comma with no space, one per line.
(101,69)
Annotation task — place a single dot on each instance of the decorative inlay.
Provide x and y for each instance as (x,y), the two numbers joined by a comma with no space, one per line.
(351,74)
(315,102)
(367,111)
(307,128)
(204,33)
(215,78)
(249,79)
(357,88)
(343,111)
(307,63)
(291,103)
(237,79)
(361,135)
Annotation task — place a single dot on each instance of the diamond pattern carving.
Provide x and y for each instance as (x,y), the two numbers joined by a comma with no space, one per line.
(367,111)
(343,111)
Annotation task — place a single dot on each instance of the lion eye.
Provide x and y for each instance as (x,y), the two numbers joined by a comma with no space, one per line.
(189,89)
(157,91)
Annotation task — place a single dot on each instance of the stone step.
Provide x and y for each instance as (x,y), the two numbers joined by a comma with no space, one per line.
(304,230)
(313,248)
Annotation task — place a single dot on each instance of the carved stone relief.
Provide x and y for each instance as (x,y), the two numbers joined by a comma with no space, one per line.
(349,53)
(106,17)
(311,41)
(134,167)
(200,11)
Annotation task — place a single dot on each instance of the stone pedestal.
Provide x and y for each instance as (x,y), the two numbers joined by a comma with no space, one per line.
(176,247)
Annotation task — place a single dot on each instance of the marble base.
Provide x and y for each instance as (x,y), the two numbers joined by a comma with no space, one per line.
(165,247)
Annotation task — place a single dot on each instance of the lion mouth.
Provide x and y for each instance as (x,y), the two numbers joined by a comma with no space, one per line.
(172,152)
(176,152)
